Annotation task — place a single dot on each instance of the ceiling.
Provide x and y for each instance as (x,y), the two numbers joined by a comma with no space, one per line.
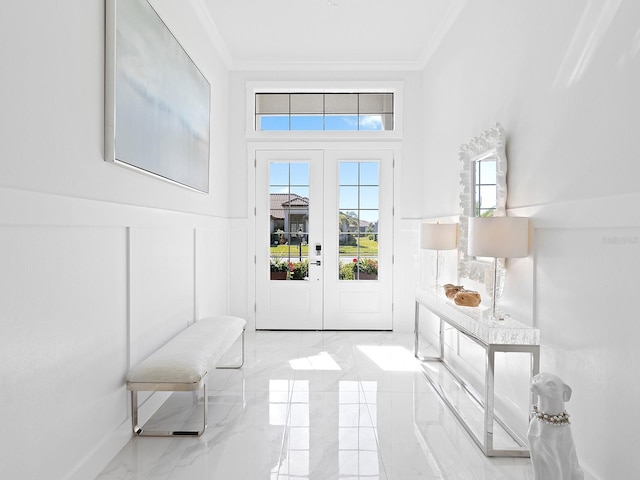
(385,34)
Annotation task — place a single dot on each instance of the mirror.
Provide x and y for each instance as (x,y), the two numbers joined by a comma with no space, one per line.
(483,182)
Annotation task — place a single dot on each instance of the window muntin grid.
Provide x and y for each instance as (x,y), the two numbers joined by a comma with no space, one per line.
(324,111)
(289,187)
(358,220)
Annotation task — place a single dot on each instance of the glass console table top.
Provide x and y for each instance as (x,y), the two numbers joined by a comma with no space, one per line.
(472,321)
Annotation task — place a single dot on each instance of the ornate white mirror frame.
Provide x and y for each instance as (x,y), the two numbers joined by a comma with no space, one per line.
(490,144)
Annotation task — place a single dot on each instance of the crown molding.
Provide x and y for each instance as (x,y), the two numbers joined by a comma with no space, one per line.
(419,64)
(342,66)
(449,18)
(212,31)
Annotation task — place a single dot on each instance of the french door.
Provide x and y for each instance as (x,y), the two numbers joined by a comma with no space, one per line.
(324,233)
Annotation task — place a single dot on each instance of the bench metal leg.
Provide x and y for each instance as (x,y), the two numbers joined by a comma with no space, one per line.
(241,353)
(169,433)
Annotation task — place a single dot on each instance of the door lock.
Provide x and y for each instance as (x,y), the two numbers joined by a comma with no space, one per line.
(318,262)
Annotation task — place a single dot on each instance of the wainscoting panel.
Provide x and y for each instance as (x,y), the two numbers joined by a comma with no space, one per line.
(162,277)
(212,264)
(586,291)
(63,344)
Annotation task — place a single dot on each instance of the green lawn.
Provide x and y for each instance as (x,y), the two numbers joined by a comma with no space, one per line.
(368,248)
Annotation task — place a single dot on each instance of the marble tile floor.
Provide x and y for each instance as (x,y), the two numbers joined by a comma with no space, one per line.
(315,406)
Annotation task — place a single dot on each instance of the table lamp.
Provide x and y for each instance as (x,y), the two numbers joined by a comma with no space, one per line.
(438,236)
(498,237)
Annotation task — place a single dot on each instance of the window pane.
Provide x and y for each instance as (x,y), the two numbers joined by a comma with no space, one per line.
(348,198)
(348,246)
(348,173)
(341,103)
(341,122)
(366,268)
(376,103)
(299,173)
(272,103)
(348,221)
(387,121)
(368,198)
(307,122)
(369,173)
(302,192)
(307,103)
(273,189)
(370,219)
(279,174)
(273,122)
(370,122)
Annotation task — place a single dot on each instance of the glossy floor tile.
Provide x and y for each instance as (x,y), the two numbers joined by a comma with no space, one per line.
(315,406)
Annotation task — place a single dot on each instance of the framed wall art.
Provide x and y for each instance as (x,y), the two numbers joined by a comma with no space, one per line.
(157,102)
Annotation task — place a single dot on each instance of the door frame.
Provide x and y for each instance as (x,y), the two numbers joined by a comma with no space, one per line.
(314,144)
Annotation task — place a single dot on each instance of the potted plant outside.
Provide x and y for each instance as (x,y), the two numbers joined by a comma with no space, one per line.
(279,269)
(365,269)
(299,270)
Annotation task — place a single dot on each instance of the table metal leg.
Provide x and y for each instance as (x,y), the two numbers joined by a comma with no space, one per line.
(416,331)
(535,369)
(489,399)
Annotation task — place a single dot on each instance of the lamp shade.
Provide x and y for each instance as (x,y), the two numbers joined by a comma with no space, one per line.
(439,236)
(499,237)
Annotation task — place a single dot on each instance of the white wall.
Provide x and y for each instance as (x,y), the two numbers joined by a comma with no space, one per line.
(561,77)
(98,264)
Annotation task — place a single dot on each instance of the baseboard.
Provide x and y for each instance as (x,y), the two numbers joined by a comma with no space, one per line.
(100,456)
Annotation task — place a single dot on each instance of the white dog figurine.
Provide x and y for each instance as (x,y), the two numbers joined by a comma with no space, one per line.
(553,453)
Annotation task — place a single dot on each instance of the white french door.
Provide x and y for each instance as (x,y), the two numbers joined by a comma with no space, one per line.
(289,217)
(324,233)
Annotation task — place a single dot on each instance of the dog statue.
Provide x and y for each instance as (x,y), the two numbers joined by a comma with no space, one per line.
(553,453)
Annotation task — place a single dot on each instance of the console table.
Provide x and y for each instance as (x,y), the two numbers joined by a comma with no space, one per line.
(493,336)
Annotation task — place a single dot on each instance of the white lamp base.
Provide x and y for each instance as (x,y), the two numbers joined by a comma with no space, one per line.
(496,316)
(436,267)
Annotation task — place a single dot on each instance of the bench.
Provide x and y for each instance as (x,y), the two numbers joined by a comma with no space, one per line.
(182,364)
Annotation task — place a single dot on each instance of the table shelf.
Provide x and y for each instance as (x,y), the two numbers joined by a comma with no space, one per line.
(509,336)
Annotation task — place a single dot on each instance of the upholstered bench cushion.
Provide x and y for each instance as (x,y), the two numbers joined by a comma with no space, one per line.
(184,361)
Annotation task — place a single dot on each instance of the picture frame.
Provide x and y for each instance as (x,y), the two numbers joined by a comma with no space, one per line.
(157,101)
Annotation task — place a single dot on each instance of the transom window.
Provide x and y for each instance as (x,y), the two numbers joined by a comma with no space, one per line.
(324,111)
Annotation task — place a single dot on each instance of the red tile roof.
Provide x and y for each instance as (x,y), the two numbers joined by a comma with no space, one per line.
(280,201)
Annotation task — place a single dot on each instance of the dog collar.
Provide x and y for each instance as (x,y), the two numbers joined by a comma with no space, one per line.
(557,420)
